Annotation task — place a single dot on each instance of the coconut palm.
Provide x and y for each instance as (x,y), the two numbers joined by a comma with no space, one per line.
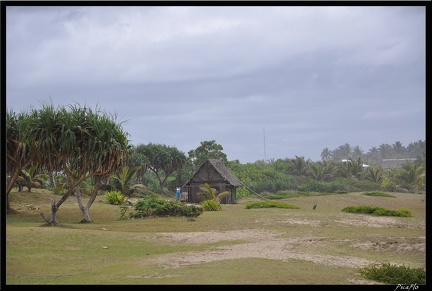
(322,170)
(299,166)
(374,174)
(412,176)
(122,179)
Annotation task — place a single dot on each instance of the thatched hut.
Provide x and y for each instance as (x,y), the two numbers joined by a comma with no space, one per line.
(216,174)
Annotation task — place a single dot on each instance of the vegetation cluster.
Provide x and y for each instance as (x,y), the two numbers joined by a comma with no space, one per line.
(378,211)
(157,206)
(392,274)
(76,151)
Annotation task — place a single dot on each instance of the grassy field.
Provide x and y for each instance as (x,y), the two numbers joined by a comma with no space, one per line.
(232,246)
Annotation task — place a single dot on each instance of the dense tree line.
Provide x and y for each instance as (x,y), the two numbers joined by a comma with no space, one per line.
(78,151)
(376,155)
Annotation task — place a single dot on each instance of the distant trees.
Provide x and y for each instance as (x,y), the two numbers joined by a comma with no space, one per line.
(412,176)
(207,150)
(162,160)
(375,155)
(86,147)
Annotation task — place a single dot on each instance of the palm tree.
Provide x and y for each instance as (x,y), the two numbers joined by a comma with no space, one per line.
(122,179)
(374,174)
(209,193)
(326,154)
(399,149)
(299,166)
(322,170)
(412,176)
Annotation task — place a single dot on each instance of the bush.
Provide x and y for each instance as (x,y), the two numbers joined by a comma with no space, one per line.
(378,211)
(387,185)
(210,205)
(391,274)
(115,197)
(157,206)
(270,204)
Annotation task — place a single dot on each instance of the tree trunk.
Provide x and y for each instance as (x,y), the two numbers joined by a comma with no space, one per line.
(54,209)
(86,210)
(9,185)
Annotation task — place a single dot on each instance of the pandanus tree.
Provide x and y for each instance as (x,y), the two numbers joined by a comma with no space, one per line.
(20,150)
(82,144)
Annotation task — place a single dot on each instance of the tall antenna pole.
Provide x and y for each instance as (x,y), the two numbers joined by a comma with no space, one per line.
(265,158)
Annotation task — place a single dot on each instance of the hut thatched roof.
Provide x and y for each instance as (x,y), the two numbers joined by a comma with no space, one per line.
(213,171)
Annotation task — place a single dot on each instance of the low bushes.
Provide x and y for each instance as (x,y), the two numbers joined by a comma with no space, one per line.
(270,204)
(378,211)
(158,206)
(391,274)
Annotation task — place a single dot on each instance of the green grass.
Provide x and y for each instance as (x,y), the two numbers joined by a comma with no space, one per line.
(120,251)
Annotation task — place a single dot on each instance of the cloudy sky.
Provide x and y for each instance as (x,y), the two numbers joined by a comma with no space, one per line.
(264,82)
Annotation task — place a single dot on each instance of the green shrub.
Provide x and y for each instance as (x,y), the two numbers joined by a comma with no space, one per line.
(157,206)
(378,211)
(388,185)
(391,274)
(192,211)
(210,205)
(270,204)
(115,198)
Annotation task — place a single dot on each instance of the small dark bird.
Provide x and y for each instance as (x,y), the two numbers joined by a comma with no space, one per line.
(315,205)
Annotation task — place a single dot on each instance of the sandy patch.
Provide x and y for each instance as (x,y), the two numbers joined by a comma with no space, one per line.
(272,245)
(260,244)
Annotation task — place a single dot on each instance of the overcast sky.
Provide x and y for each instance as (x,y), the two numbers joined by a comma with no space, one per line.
(264,82)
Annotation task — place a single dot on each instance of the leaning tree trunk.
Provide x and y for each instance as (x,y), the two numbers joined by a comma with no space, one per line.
(86,210)
(9,185)
(54,208)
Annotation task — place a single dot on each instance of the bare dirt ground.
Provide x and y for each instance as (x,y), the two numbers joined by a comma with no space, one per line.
(270,245)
